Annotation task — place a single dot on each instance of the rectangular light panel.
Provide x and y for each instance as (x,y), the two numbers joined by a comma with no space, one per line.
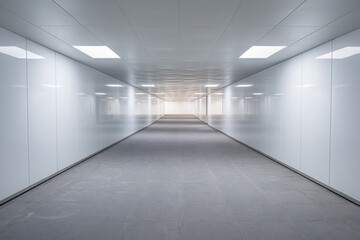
(147,85)
(261,51)
(211,85)
(97,51)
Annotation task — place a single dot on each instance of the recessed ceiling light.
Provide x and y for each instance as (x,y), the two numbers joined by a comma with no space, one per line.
(160,93)
(97,51)
(139,93)
(114,85)
(218,93)
(248,97)
(147,85)
(199,93)
(100,93)
(261,51)
(341,53)
(244,85)
(258,94)
(19,53)
(211,85)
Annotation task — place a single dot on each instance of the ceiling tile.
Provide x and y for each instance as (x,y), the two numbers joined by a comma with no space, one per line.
(203,35)
(73,35)
(39,12)
(94,12)
(121,35)
(319,12)
(151,12)
(238,35)
(285,35)
(207,12)
(260,12)
(158,35)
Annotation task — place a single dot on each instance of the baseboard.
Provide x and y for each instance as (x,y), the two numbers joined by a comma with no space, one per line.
(341,194)
(17,194)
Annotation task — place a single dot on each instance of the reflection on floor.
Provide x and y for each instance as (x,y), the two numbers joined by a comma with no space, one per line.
(179,179)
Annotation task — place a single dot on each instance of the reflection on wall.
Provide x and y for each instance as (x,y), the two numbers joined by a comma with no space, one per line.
(303,112)
(56,111)
(200,110)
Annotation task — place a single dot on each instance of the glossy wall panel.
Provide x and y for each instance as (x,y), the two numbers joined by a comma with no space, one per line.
(274,115)
(315,115)
(345,131)
(63,110)
(66,78)
(14,165)
(41,112)
(302,112)
(291,111)
(200,108)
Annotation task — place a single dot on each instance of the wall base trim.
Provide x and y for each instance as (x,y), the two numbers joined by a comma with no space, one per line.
(19,193)
(341,194)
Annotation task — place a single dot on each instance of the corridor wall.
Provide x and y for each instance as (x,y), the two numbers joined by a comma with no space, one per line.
(200,108)
(303,112)
(56,112)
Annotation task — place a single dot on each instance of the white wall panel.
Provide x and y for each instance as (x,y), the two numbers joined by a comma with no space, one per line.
(63,110)
(83,109)
(291,127)
(286,113)
(42,113)
(274,115)
(315,116)
(66,78)
(345,130)
(14,168)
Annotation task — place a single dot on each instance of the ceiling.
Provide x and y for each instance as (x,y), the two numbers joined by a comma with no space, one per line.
(180,45)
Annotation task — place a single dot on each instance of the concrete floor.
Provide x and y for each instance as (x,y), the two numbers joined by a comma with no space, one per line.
(179,179)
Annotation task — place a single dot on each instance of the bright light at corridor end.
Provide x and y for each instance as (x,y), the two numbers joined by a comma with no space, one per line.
(211,85)
(97,51)
(147,85)
(261,51)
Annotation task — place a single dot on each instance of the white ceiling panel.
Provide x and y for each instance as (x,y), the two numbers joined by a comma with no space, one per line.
(260,12)
(121,35)
(285,35)
(352,20)
(180,45)
(151,12)
(320,12)
(8,19)
(39,12)
(207,12)
(73,35)
(203,35)
(94,12)
(158,35)
(239,35)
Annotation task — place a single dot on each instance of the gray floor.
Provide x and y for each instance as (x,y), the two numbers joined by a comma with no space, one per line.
(179,179)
